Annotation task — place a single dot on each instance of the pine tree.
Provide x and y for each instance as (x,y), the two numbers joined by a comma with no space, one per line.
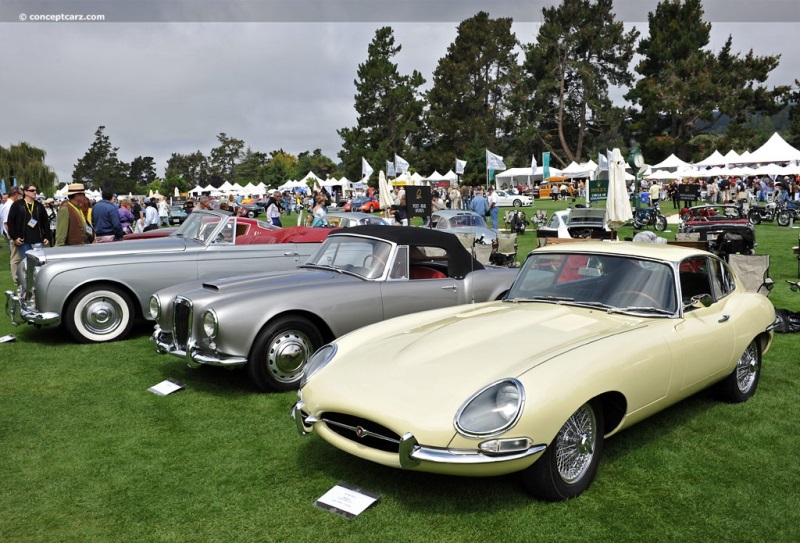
(100,168)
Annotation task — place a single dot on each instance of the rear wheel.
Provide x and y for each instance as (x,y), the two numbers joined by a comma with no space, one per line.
(741,384)
(784,218)
(754,217)
(661,223)
(637,224)
(569,464)
(251,214)
(97,314)
(280,352)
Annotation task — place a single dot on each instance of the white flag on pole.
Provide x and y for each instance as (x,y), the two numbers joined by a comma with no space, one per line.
(460,165)
(494,162)
(366,169)
(390,169)
(602,162)
(533,165)
(400,165)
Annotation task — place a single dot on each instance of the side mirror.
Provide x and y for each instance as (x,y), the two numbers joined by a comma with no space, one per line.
(703,300)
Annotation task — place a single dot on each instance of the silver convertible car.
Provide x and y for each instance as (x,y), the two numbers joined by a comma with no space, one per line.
(272,323)
(96,291)
(591,339)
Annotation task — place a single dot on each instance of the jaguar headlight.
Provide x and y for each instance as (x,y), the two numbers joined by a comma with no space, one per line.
(492,410)
(155,307)
(210,324)
(317,361)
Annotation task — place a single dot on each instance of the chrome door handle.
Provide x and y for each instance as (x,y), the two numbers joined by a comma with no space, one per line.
(451,287)
(724,318)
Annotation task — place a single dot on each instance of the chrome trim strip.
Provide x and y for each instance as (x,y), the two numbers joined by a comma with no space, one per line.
(360,431)
(412,454)
(193,355)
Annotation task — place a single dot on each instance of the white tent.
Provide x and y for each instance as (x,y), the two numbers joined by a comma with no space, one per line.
(732,157)
(197,190)
(775,150)
(310,175)
(716,159)
(523,176)
(575,170)
(226,187)
(451,176)
(661,174)
(671,162)
(435,176)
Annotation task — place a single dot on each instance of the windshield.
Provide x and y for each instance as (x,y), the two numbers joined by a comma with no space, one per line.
(364,257)
(613,282)
(199,226)
(460,221)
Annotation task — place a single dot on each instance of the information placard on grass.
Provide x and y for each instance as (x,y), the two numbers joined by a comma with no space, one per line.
(347,500)
(167,387)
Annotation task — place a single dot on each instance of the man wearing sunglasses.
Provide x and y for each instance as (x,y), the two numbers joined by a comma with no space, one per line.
(28,225)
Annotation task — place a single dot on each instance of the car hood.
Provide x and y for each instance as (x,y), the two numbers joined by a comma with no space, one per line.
(271,280)
(420,369)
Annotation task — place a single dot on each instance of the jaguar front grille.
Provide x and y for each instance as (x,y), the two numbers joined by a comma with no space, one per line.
(181,322)
(363,431)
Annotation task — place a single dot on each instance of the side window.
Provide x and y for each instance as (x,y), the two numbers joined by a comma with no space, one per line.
(721,279)
(400,266)
(694,278)
(553,222)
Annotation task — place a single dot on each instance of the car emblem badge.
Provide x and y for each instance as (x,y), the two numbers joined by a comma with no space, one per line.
(360,432)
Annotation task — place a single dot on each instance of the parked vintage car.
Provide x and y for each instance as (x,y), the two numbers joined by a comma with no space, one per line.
(576,223)
(725,227)
(354,218)
(271,323)
(508,199)
(177,214)
(592,338)
(462,220)
(365,204)
(97,290)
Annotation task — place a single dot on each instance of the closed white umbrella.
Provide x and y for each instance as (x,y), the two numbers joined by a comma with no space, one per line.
(385,194)
(618,205)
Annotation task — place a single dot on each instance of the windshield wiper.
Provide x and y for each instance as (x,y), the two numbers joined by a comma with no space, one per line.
(322,267)
(640,309)
(543,299)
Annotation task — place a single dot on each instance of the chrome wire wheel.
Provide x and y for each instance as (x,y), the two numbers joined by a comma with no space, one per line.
(575,445)
(747,369)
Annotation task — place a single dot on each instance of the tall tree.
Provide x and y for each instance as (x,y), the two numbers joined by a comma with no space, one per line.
(225,157)
(100,168)
(252,168)
(281,168)
(469,108)
(192,169)
(315,162)
(143,170)
(686,90)
(564,104)
(26,164)
(389,108)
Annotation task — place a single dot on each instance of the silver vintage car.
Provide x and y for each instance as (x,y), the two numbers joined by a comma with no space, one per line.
(272,323)
(97,291)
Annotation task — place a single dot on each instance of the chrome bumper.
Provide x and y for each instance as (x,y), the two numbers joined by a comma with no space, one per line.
(413,454)
(193,356)
(21,314)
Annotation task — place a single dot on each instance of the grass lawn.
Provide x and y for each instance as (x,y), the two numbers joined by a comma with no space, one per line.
(87,454)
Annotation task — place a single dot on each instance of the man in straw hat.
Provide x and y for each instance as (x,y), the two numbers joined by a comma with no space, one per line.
(71,225)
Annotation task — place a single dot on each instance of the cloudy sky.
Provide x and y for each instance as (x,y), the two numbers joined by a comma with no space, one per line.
(167,76)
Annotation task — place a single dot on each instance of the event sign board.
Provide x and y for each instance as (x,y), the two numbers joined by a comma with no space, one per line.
(598,190)
(689,192)
(418,201)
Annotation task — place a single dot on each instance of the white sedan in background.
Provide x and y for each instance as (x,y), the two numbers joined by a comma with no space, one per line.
(508,199)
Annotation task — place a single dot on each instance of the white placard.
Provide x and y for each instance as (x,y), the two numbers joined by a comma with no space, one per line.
(167,387)
(347,500)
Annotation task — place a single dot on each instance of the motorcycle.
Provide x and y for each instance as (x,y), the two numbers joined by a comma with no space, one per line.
(516,221)
(759,214)
(642,218)
(790,212)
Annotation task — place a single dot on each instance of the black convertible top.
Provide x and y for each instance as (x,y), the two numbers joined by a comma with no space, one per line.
(460,261)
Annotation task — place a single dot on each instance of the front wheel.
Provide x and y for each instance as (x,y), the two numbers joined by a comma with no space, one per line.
(569,464)
(741,384)
(661,223)
(97,314)
(280,352)
(784,218)
(517,203)
(251,214)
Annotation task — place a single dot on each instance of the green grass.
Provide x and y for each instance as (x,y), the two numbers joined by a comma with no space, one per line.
(87,454)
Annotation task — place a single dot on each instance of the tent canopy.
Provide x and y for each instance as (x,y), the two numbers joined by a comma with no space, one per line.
(774,150)
(671,162)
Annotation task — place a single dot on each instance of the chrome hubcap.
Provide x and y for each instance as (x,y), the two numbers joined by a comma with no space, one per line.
(287,355)
(101,315)
(575,445)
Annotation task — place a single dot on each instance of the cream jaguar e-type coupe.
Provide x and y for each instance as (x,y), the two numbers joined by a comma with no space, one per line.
(591,339)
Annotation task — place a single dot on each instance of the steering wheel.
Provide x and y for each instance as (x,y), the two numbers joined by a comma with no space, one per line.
(636,293)
(371,258)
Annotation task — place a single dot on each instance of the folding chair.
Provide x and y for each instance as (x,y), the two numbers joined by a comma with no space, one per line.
(753,270)
(506,254)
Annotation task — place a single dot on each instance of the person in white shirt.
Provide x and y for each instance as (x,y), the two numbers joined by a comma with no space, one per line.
(163,212)
(494,206)
(150,216)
